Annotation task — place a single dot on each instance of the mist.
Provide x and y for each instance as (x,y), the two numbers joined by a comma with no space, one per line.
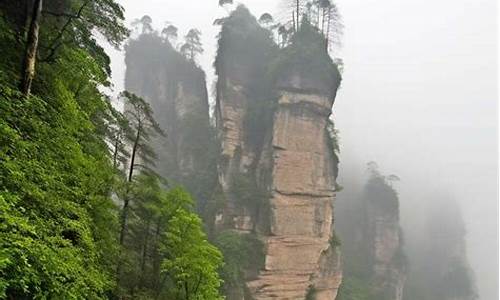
(418,96)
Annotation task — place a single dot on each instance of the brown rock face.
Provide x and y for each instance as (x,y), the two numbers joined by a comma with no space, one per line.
(389,274)
(300,256)
(300,259)
(237,156)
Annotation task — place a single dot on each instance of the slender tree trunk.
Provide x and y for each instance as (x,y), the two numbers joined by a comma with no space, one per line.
(298,14)
(126,201)
(156,259)
(29,61)
(115,153)
(123,220)
(27,19)
(134,152)
(293,18)
(323,21)
(186,290)
(328,28)
(317,16)
(144,253)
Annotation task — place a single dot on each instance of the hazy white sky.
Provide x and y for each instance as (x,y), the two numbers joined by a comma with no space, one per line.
(419,97)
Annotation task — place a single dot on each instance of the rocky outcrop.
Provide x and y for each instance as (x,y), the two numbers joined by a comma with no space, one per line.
(237,157)
(245,51)
(278,173)
(383,232)
(300,257)
(175,87)
(375,263)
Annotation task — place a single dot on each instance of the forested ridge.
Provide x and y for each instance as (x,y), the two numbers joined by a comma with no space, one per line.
(82,213)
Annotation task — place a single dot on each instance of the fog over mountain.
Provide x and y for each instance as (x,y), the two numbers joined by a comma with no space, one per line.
(418,96)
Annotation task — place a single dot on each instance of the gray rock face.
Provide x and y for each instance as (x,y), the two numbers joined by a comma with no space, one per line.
(176,90)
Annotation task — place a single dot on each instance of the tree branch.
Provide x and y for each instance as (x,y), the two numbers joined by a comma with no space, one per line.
(59,14)
(56,42)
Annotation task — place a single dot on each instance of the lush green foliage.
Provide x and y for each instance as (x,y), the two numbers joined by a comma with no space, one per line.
(191,262)
(308,56)
(57,222)
(333,143)
(167,255)
(60,154)
(354,289)
(311,293)
(245,51)
(243,257)
(247,193)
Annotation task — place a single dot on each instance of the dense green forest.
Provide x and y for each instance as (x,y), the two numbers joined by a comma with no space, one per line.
(83,215)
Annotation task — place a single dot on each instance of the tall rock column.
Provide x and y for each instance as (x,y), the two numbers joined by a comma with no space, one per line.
(278,169)
(375,263)
(302,259)
(243,94)
(175,87)
(384,235)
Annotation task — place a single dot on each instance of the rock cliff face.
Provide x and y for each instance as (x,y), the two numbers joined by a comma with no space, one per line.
(300,257)
(291,171)
(368,222)
(175,88)
(238,158)
(383,232)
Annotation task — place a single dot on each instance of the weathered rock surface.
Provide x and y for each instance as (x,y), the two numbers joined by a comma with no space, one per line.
(372,245)
(389,271)
(299,254)
(237,156)
(175,88)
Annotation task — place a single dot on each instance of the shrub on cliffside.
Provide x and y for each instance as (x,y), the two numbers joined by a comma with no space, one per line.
(243,258)
(307,56)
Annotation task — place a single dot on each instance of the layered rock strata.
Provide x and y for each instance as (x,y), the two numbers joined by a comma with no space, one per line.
(300,257)
(389,262)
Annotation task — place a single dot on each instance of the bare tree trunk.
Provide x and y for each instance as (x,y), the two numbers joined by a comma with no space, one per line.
(29,61)
(134,152)
(186,290)
(293,18)
(126,201)
(157,260)
(115,152)
(27,19)
(144,253)
(328,28)
(298,14)
(317,16)
(323,21)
